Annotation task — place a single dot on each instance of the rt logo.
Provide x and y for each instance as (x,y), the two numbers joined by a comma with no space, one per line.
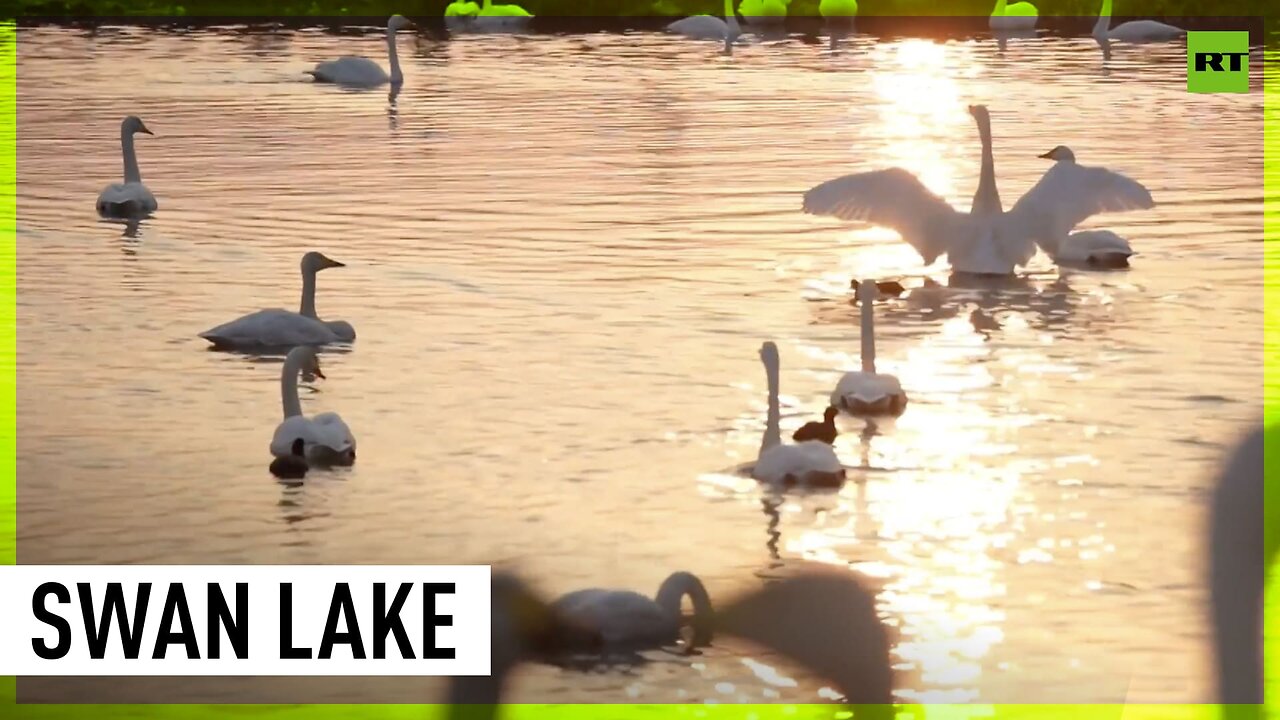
(1217,62)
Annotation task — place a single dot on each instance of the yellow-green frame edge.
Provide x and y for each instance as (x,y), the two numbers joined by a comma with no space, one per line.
(9,709)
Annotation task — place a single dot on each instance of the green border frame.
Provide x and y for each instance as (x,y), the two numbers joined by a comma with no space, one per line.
(8,496)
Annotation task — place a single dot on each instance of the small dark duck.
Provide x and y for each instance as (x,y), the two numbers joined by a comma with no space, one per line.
(294,465)
(824,431)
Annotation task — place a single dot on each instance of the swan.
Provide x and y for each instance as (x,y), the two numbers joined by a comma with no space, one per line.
(294,465)
(1014,17)
(823,619)
(460,15)
(986,240)
(764,12)
(1065,196)
(866,392)
(812,462)
(838,12)
(129,198)
(501,17)
(630,621)
(709,27)
(824,431)
(328,440)
(1242,547)
(277,328)
(1134,31)
(354,70)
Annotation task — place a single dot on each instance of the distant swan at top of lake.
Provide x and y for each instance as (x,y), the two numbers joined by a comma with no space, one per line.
(129,198)
(355,70)
(326,438)
(1134,31)
(986,240)
(764,12)
(867,392)
(460,14)
(630,621)
(811,462)
(1065,196)
(1013,17)
(277,328)
(505,16)
(709,27)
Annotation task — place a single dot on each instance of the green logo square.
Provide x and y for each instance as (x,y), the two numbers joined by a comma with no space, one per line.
(1217,62)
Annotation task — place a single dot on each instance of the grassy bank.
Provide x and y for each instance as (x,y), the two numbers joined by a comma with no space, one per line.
(610,8)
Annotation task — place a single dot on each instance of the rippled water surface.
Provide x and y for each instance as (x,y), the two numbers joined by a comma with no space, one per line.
(563,253)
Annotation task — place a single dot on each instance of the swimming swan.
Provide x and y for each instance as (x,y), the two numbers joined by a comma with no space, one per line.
(709,27)
(866,392)
(822,619)
(1134,31)
(354,70)
(277,328)
(130,198)
(1066,195)
(328,440)
(812,462)
(986,240)
(1242,547)
(1015,17)
(824,431)
(630,621)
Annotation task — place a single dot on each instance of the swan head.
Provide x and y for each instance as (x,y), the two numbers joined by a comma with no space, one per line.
(769,353)
(133,124)
(979,112)
(868,291)
(1062,153)
(314,262)
(397,22)
(307,360)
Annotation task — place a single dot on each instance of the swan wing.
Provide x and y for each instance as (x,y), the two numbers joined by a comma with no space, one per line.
(1144,31)
(292,428)
(132,196)
(1067,195)
(865,387)
(621,616)
(350,69)
(274,328)
(333,433)
(1082,245)
(797,461)
(893,198)
(699,27)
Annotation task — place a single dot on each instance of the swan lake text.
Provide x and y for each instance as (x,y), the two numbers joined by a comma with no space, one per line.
(207,620)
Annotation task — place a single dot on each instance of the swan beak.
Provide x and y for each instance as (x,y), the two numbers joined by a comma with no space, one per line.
(319,374)
(144,129)
(1047,156)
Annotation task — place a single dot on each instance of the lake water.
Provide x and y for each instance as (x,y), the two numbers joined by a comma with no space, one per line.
(563,253)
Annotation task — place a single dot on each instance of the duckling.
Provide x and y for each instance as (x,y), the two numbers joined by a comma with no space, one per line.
(824,431)
(886,288)
(293,465)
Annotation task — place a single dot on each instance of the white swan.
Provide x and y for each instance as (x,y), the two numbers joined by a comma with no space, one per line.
(866,392)
(986,240)
(327,439)
(130,198)
(710,27)
(355,70)
(811,462)
(822,619)
(1134,31)
(1242,546)
(628,620)
(503,17)
(1065,196)
(277,328)
(1019,16)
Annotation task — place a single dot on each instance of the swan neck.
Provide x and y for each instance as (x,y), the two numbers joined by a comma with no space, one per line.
(868,338)
(308,308)
(987,199)
(131,172)
(1104,20)
(289,386)
(1238,560)
(673,590)
(999,8)
(772,434)
(393,58)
